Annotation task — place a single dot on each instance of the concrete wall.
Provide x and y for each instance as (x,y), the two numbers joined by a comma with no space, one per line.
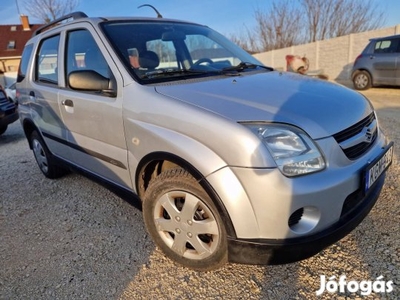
(334,57)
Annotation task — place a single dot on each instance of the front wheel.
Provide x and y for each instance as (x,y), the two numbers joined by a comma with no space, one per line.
(184,222)
(44,158)
(362,80)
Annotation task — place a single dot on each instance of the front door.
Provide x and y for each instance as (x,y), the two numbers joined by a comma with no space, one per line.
(94,120)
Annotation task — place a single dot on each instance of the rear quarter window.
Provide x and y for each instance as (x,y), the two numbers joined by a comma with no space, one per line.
(23,66)
(47,60)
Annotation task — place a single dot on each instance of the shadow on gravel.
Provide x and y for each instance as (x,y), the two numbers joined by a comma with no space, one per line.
(64,239)
(127,196)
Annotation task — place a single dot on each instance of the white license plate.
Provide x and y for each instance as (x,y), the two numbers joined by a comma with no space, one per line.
(378,166)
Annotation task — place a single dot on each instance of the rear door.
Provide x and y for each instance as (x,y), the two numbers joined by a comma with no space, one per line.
(94,119)
(42,95)
(385,61)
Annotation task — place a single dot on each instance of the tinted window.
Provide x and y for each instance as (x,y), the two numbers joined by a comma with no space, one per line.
(23,66)
(47,59)
(387,46)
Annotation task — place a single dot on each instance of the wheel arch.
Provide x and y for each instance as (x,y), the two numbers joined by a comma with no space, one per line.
(154,163)
(28,127)
(363,70)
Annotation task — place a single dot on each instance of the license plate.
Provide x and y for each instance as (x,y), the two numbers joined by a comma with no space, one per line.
(378,166)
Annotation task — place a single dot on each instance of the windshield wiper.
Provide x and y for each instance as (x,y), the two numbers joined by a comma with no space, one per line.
(167,72)
(243,66)
(233,70)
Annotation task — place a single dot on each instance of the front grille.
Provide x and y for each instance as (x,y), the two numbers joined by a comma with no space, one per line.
(356,151)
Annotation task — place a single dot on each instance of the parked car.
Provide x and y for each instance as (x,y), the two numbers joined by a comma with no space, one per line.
(232,160)
(378,64)
(8,111)
(11,92)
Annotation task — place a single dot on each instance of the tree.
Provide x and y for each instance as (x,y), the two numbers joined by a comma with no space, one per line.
(332,18)
(49,10)
(242,40)
(279,27)
(287,23)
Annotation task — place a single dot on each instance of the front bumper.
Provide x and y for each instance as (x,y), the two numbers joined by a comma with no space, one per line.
(269,251)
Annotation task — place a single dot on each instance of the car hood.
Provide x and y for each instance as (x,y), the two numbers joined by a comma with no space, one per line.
(318,107)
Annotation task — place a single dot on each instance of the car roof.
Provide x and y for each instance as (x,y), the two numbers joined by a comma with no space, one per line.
(396,36)
(79,16)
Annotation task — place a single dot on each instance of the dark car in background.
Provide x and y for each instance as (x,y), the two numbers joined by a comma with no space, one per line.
(8,111)
(378,64)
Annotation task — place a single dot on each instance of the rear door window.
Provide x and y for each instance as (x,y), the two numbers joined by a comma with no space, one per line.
(387,46)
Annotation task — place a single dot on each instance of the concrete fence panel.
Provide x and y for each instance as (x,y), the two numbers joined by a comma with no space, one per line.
(334,57)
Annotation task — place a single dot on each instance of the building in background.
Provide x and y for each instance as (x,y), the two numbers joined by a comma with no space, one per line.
(12,42)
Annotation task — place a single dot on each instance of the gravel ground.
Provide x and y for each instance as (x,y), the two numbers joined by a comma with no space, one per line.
(73,238)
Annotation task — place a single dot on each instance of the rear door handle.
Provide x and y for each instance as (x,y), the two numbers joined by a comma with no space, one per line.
(68,102)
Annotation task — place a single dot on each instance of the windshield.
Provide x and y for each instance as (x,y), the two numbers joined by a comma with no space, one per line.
(161,51)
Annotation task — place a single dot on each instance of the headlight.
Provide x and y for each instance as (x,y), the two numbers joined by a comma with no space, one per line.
(293,151)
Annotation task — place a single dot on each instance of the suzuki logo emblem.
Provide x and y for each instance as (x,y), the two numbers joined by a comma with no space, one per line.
(369,132)
(368,136)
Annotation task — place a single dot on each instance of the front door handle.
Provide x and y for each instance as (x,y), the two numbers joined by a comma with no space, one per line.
(68,102)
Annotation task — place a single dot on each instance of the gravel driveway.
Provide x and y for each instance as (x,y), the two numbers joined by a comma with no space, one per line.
(73,238)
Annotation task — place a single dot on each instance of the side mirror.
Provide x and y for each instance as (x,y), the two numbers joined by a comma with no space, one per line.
(89,80)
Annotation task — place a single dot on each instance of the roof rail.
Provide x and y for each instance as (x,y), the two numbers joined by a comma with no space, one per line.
(74,16)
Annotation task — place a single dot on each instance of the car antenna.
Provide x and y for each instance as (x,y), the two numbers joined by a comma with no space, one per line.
(155,9)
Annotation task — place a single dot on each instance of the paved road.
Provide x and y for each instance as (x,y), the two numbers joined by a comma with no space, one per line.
(74,238)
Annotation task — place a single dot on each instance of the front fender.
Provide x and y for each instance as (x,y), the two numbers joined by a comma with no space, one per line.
(145,138)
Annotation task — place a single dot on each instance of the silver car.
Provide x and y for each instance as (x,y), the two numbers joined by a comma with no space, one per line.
(378,64)
(232,160)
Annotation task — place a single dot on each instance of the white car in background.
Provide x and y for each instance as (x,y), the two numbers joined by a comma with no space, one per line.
(11,92)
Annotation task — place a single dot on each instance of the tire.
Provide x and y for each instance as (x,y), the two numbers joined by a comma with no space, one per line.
(3,129)
(184,222)
(44,158)
(362,80)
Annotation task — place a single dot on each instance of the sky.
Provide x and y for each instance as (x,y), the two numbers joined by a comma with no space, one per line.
(226,16)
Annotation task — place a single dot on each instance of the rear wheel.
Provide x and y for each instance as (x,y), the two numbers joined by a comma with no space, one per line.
(44,158)
(184,222)
(362,80)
